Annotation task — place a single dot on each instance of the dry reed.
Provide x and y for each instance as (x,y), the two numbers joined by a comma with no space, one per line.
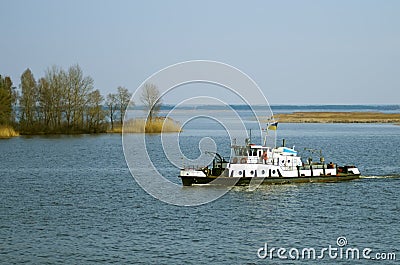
(7,131)
(338,117)
(157,125)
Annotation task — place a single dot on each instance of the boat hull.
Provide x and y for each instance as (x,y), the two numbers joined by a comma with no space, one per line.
(245,181)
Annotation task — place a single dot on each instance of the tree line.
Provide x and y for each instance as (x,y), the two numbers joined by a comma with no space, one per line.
(62,101)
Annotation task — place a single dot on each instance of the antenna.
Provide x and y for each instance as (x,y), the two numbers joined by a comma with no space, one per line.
(250,135)
(265,138)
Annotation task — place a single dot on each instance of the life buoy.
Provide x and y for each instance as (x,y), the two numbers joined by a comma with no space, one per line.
(235,160)
(243,160)
(265,156)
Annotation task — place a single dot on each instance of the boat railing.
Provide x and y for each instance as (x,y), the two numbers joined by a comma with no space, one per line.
(317,166)
(194,167)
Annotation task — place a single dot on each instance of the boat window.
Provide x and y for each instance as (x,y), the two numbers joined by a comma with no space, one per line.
(252,172)
(240,172)
(288,161)
(240,151)
(263,171)
(273,171)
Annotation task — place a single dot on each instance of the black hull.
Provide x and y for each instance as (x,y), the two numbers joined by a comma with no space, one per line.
(232,181)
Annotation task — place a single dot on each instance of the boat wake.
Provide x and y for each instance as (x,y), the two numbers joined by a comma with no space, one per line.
(381,177)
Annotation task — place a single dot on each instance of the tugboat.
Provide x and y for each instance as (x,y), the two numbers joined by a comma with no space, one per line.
(259,164)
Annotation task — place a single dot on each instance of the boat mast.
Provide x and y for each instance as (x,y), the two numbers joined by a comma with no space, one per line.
(265,138)
(250,136)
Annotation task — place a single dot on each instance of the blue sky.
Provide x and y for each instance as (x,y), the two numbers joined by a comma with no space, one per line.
(299,52)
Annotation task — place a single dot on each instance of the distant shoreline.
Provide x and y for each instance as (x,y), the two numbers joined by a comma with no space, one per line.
(294,117)
(338,117)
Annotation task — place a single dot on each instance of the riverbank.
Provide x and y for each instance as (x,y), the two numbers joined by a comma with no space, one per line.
(338,117)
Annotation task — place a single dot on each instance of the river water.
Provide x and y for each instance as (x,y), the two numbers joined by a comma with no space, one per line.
(72,200)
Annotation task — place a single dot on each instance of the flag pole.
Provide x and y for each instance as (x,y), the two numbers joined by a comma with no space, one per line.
(272,125)
(266,135)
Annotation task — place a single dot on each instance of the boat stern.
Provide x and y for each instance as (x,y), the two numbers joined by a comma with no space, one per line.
(350,169)
(353,169)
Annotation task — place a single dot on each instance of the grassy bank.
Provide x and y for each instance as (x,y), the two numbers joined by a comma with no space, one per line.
(7,132)
(338,117)
(157,125)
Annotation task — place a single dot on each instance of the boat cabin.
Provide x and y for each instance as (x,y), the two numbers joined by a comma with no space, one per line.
(258,154)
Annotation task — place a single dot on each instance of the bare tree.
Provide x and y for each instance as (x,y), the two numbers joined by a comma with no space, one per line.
(61,101)
(52,91)
(77,91)
(123,98)
(94,111)
(112,106)
(150,97)
(6,100)
(44,101)
(28,98)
